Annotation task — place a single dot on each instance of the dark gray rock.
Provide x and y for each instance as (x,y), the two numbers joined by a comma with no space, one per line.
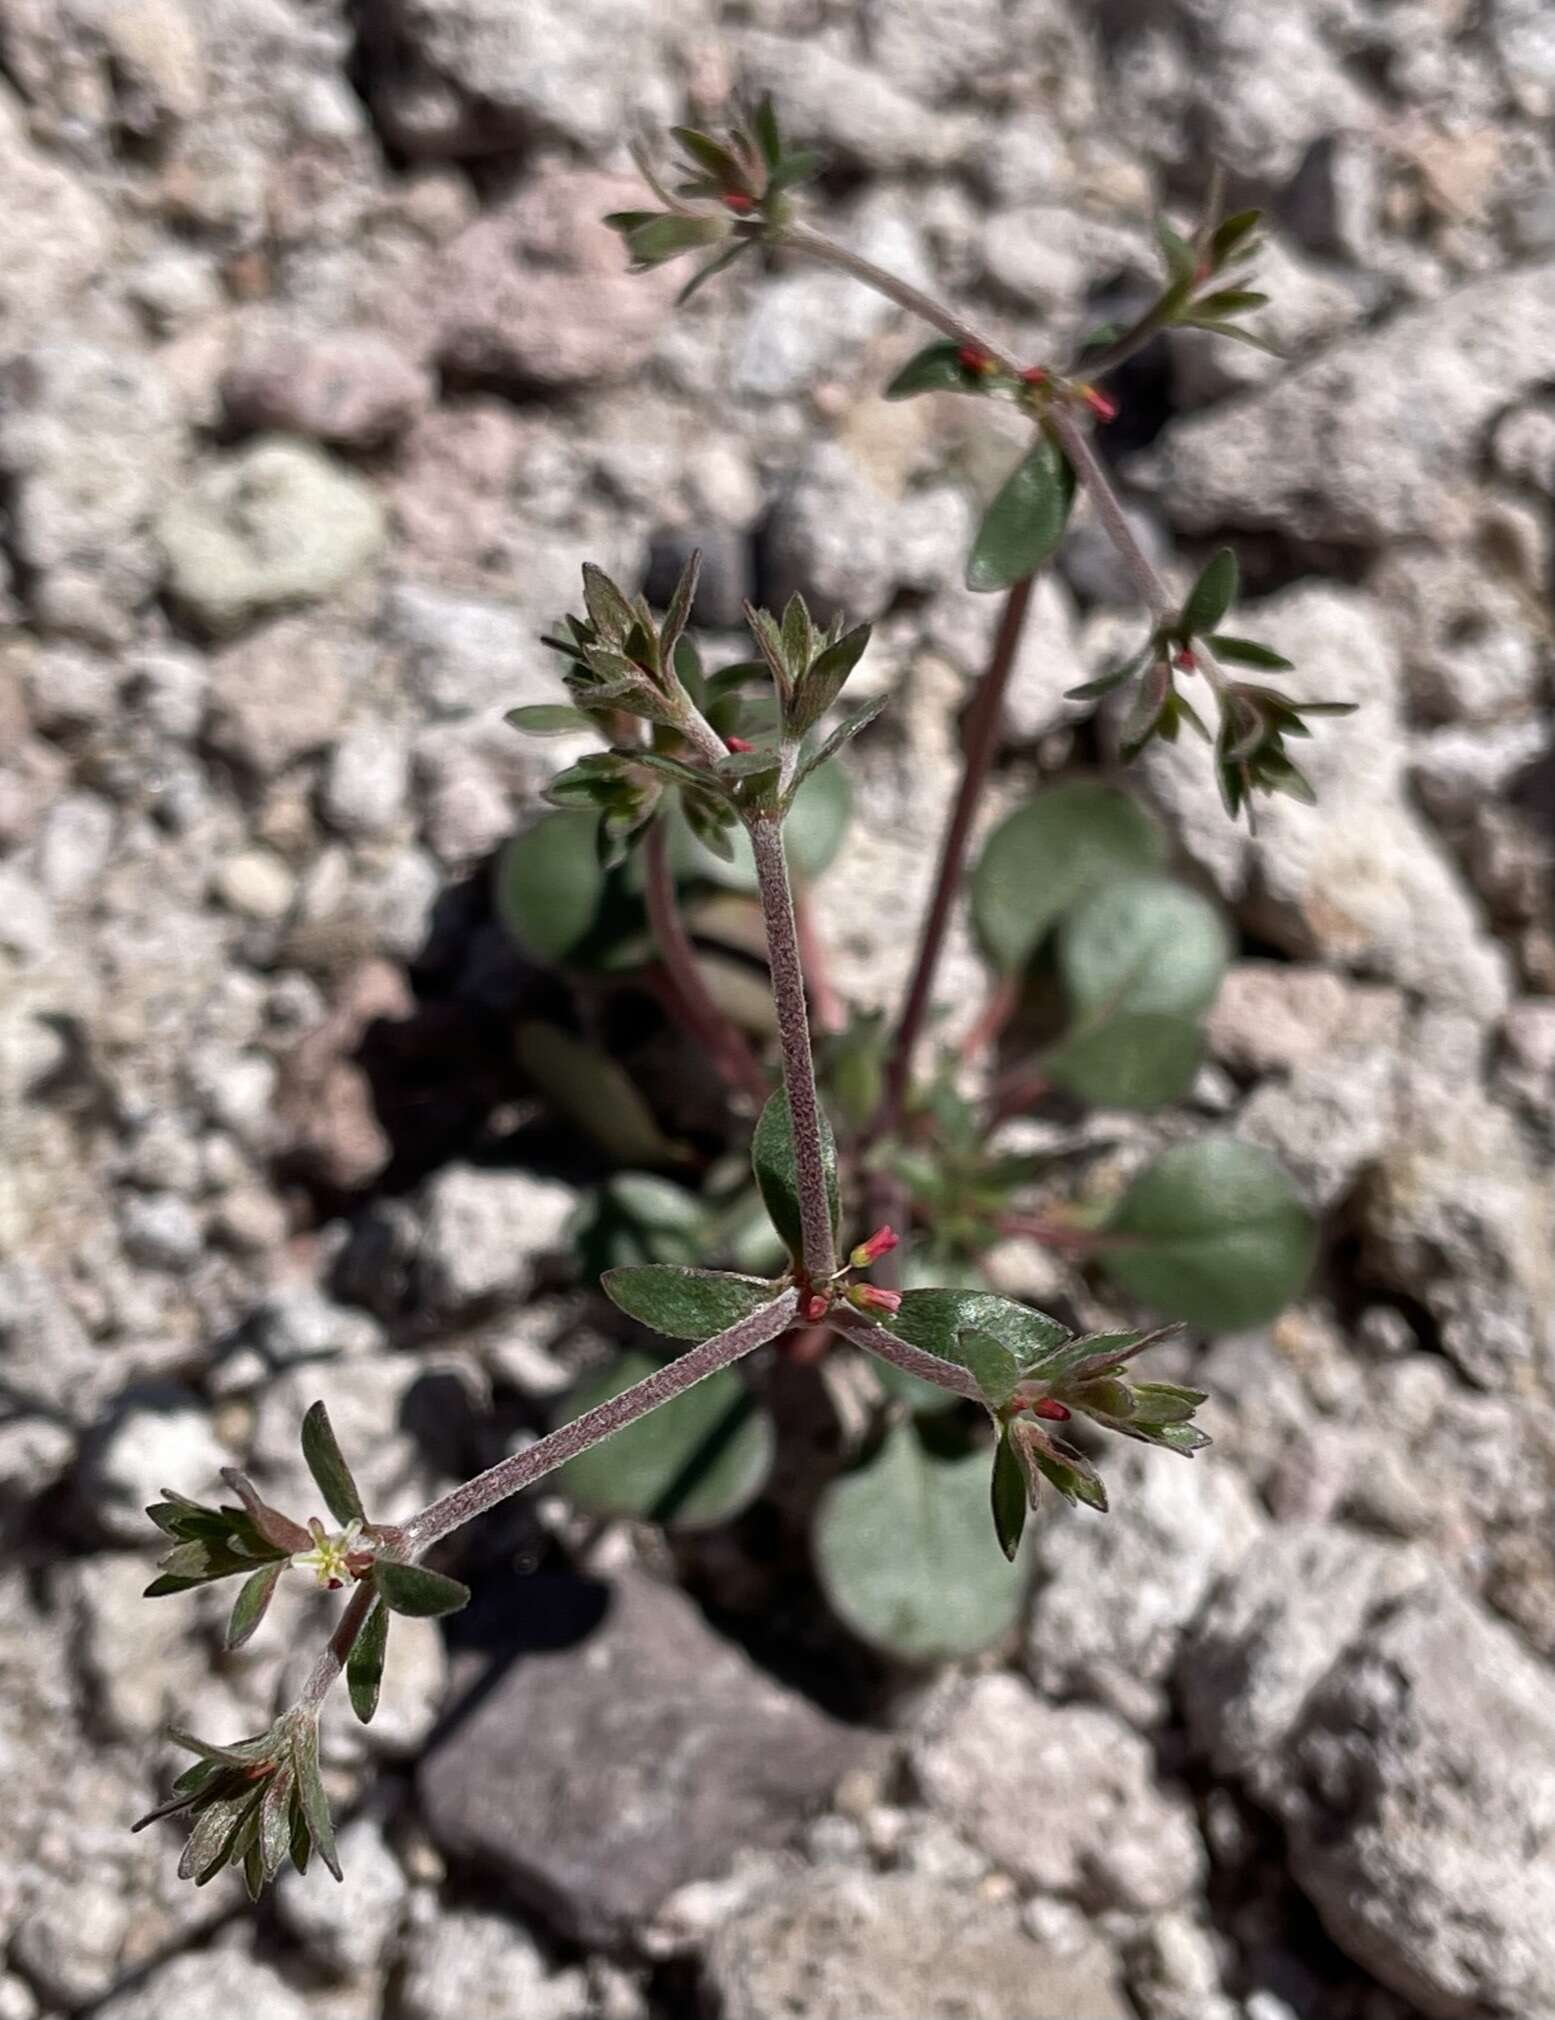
(596,1778)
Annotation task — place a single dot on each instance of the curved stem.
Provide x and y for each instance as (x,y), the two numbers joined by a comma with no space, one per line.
(337,1650)
(512,1475)
(708,1024)
(815,245)
(911,1360)
(788,995)
(982,742)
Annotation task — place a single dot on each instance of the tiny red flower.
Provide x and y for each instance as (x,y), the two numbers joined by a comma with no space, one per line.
(1036,375)
(1187,660)
(880,1243)
(814,1307)
(738,743)
(971,359)
(737,201)
(1046,1406)
(1101,404)
(871,1298)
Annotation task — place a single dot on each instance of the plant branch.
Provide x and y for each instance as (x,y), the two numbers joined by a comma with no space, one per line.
(982,742)
(708,1024)
(512,1475)
(788,995)
(911,1360)
(337,1650)
(815,245)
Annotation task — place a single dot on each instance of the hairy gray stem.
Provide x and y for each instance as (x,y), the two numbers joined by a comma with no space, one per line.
(788,995)
(885,1346)
(815,245)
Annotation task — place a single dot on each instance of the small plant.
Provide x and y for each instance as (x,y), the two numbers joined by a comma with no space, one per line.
(712,786)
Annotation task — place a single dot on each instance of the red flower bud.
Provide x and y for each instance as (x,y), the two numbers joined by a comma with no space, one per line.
(1100,404)
(738,743)
(971,359)
(1036,375)
(880,1243)
(871,1298)
(737,201)
(1045,1406)
(814,1307)
(1186,660)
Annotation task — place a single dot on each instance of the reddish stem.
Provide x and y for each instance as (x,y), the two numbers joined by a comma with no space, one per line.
(984,721)
(723,1041)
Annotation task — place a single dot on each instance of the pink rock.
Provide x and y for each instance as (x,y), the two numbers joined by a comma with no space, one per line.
(538,294)
(352,388)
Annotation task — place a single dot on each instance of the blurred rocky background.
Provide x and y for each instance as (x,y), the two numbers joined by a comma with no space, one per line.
(318,378)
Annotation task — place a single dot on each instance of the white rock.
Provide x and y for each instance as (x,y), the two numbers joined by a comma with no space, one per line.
(156,1438)
(347,1929)
(367,781)
(1063,1798)
(74,846)
(484,1233)
(203,1983)
(470,1965)
(275,524)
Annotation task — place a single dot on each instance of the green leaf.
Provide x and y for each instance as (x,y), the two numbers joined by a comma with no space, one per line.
(1114,677)
(1143,943)
(1232,232)
(715,266)
(1026,520)
(415,1591)
(1007,1492)
(903,1552)
(1236,333)
(772,1160)
(813,830)
(1134,1059)
(693,1463)
(252,1600)
(1212,595)
(816,690)
(1175,251)
(667,237)
(364,1665)
(1247,652)
(330,1472)
(1212,1233)
(764,124)
(1009,1341)
(1230,302)
(937,368)
(710,155)
(275,1821)
(588,1087)
(311,1798)
(802,165)
(686,1304)
(547,719)
(844,733)
(547,884)
(1057,850)
(609,612)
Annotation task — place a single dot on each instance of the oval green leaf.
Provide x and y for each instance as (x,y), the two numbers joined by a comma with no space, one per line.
(415,1591)
(1026,520)
(326,1463)
(937,368)
(364,1665)
(1135,1059)
(692,1463)
(1211,1233)
(590,1089)
(1007,1340)
(772,1160)
(1212,595)
(904,1553)
(686,1304)
(548,884)
(1143,944)
(1059,848)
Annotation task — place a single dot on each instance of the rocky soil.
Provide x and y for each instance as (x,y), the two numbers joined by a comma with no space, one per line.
(318,379)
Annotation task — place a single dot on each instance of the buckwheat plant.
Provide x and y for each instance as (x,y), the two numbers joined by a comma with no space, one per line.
(1209,1233)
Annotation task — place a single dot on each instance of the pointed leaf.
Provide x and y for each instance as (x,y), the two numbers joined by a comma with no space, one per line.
(798,636)
(710,155)
(903,1552)
(1114,677)
(1237,335)
(1212,595)
(764,124)
(804,164)
(310,1793)
(1007,1492)
(937,368)
(1026,520)
(844,733)
(364,1666)
(594,1092)
(686,1304)
(667,237)
(693,1463)
(937,1320)
(275,1827)
(416,1591)
(817,689)
(678,616)
(252,1601)
(274,1528)
(772,1159)
(1231,233)
(609,612)
(1247,652)
(1175,251)
(547,719)
(327,1464)
(714,267)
